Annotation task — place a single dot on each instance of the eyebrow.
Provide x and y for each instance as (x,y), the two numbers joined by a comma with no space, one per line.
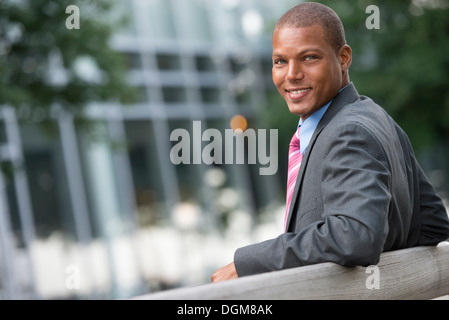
(298,54)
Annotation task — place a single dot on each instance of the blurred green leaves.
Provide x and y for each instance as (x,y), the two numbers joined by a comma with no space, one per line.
(43,63)
(403,66)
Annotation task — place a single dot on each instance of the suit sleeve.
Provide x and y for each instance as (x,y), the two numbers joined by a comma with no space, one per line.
(355,189)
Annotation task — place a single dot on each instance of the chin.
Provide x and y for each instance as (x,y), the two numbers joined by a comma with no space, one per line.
(295,113)
(295,110)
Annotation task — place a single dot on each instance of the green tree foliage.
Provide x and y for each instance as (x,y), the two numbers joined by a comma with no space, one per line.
(43,63)
(403,65)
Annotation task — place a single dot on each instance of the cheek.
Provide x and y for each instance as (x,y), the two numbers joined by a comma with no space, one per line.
(334,72)
(325,77)
(277,80)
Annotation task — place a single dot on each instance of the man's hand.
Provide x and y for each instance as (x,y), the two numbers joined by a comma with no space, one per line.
(228,272)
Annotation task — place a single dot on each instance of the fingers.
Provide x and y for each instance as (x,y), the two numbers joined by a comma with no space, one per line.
(228,272)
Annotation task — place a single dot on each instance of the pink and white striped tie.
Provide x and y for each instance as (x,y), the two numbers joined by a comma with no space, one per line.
(294,163)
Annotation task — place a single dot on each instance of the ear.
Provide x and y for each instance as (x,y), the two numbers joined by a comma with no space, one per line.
(345,56)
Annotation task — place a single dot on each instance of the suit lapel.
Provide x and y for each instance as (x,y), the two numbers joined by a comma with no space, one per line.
(345,97)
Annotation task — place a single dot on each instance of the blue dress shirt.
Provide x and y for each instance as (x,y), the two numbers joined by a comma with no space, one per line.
(309,125)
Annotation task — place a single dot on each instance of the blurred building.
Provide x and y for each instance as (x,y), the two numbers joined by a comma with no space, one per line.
(111,216)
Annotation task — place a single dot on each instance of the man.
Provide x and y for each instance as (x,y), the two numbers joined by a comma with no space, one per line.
(354,188)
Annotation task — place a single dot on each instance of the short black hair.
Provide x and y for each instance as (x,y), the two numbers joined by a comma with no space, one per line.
(312,13)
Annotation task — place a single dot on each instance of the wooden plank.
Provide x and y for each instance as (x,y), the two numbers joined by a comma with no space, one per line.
(415,273)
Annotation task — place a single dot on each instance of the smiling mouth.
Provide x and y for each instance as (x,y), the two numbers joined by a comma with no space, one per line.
(296,94)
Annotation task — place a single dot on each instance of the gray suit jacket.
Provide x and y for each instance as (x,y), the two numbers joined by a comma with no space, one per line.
(359,192)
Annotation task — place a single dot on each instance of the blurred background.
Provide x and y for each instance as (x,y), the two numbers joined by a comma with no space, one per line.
(91,207)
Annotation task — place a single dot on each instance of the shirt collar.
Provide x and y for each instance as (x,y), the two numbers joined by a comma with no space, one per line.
(309,125)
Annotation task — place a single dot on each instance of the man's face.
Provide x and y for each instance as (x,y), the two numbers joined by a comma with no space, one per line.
(307,71)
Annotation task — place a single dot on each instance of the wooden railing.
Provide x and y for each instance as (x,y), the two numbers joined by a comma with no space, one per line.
(415,273)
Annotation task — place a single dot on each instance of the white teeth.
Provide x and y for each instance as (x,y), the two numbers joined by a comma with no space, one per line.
(300,91)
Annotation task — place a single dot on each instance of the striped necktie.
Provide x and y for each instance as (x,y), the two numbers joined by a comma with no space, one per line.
(294,162)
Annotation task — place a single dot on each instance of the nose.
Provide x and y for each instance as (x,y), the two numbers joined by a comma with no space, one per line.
(294,72)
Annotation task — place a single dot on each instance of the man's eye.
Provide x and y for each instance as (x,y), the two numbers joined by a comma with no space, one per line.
(310,58)
(279,61)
